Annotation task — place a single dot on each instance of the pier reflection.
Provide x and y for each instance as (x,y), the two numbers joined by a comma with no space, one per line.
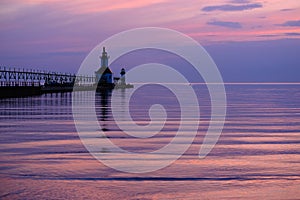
(43,107)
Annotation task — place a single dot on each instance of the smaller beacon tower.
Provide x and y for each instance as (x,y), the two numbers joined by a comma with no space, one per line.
(122,78)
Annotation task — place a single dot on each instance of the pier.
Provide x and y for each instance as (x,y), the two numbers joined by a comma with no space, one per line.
(24,82)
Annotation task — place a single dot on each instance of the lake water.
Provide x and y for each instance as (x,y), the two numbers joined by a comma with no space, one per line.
(256,157)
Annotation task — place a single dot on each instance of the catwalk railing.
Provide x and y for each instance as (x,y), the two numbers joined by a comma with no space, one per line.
(11,77)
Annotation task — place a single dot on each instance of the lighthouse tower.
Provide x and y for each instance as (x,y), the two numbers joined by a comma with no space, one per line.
(104,58)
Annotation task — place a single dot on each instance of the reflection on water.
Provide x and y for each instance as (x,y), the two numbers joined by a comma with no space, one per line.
(257,156)
(103,111)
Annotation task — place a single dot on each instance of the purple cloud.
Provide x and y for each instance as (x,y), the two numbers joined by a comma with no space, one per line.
(287,9)
(226,24)
(230,7)
(292,34)
(240,1)
(268,35)
(291,23)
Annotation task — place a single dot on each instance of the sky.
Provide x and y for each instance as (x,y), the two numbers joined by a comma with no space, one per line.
(249,40)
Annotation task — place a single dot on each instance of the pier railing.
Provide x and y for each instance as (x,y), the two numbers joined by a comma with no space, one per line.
(12,77)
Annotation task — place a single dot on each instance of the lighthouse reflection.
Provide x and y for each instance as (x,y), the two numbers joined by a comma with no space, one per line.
(103,107)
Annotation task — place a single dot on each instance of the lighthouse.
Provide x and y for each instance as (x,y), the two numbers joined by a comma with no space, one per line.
(104,76)
(122,78)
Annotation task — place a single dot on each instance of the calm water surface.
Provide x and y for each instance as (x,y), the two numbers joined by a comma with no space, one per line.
(257,156)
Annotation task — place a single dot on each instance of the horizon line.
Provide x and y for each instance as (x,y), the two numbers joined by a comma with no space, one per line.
(225,83)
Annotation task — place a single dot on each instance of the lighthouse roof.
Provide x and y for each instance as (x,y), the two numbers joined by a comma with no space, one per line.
(104,70)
